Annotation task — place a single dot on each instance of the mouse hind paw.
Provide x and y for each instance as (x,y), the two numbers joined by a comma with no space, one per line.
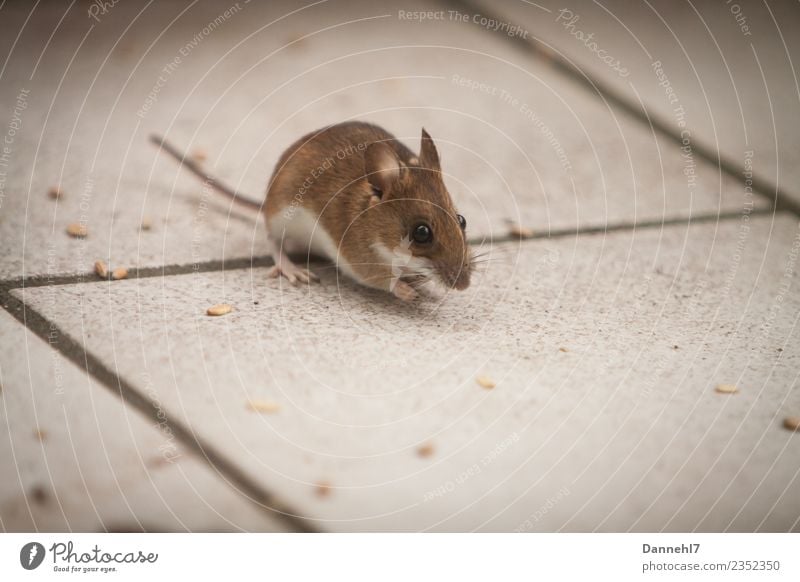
(292,273)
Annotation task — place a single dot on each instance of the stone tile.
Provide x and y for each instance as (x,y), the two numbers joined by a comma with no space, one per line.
(729,66)
(75,458)
(605,350)
(538,151)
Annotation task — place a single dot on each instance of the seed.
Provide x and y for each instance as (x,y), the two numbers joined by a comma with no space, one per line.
(792,423)
(40,435)
(39,494)
(55,193)
(413,161)
(147,224)
(265,406)
(219,309)
(77,230)
(119,273)
(199,154)
(323,489)
(425,450)
(519,231)
(726,389)
(486,382)
(563,350)
(296,41)
(101,269)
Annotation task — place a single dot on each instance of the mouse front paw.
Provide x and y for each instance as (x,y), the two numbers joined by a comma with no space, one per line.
(404,291)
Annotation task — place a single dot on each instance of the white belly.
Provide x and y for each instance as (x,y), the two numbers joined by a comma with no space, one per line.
(298,230)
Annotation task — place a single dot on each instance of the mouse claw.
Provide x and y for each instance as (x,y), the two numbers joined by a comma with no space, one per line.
(292,273)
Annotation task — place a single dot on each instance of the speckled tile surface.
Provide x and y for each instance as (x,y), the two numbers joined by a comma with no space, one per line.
(74,458)
(605,351)
(517,140)
(727,69)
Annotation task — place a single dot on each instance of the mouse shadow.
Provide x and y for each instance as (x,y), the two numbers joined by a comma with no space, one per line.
(348,292)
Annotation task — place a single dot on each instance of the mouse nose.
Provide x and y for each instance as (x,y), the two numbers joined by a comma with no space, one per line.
(462,282)
(460,277)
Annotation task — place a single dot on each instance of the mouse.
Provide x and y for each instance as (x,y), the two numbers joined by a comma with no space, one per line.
(356,195)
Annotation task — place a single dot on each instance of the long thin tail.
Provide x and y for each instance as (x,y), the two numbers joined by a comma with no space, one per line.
(198,171)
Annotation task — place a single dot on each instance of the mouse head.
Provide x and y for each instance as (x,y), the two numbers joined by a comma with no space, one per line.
(420,231)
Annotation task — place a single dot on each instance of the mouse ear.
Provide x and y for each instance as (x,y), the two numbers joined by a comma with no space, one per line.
(381,166)
(428,156)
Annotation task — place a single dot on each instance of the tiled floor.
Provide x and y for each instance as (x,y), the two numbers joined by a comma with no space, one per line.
(654,275)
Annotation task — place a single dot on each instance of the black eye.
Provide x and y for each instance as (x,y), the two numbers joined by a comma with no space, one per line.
(422,234)
(462,222)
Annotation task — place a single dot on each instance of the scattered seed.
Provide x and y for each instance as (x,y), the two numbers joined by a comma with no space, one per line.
(323,489)
(147,223)
(219,309)
(563,349)
(101,269)
(792,423)
(199,154)
(414,161)
(486,382)
(40,435)
(77,230)
(519,231)
(425,450)
(39,494)
(296,41)
(55,193)
(265,406)
(726,389)
(119,273)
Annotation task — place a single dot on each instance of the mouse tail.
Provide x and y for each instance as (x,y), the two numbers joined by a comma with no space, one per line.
(198,171)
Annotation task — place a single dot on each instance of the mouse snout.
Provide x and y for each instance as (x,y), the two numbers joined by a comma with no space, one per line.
(457,275)
(462,281)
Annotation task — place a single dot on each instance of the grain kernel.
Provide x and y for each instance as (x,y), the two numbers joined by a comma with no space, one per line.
(425,450)
(101,269)
(219,309)
(119,273)
(323,489)
(565,350)
(77,230)
(726,389)
(519,231)
(792,423)
(485,382)
(147,223)
(55,193)
(264,406)
(199,155)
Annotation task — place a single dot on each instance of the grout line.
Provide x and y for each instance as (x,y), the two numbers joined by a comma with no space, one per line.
(621,226)
(84,359)
(266,260)
(776,196)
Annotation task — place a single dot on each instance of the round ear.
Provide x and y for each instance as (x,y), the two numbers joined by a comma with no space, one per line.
(381,166)
(428,156)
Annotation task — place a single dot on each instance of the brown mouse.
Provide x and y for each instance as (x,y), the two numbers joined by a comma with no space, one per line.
(354,194)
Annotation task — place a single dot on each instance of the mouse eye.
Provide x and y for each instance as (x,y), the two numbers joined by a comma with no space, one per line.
(422,234)
(462,222)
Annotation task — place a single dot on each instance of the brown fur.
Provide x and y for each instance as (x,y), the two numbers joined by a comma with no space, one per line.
(366,187)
